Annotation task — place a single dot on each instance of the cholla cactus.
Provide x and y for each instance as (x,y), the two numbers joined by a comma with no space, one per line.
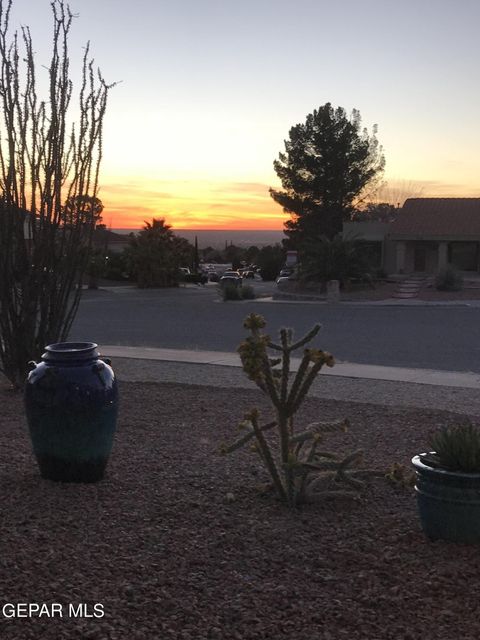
(300,466)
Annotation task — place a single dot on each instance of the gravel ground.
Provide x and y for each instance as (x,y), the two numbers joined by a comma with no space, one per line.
(169,555)
(383,392)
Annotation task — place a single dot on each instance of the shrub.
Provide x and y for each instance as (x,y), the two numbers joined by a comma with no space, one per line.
(230,292)
(449,279)
(456,448)
(248,292)
(296,462)
(270,260)
(116,266)
(234,292)
(338,259)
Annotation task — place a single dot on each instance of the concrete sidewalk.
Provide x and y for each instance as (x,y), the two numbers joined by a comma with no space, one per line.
(342,369)
(392,386)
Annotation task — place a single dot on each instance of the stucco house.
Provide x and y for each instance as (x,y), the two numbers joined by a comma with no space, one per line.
(428,234)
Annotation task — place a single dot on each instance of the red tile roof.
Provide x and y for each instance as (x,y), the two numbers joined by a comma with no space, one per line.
(438,217)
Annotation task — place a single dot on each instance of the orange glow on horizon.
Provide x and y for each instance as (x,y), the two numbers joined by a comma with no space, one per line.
(208,205)
(121,218)
(191,205)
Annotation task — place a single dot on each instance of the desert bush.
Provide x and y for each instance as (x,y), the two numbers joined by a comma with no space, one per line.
(234,292)
(248,292)
(296,461)
(449,279)
(230,292)
(270,260)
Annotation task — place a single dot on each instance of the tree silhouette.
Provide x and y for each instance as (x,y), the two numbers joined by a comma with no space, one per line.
(83,209)
(270,259)
(328,164)
(156,254)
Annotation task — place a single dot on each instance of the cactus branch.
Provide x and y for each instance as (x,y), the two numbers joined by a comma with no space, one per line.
(308,337)
(305,386)
(297,382)
(285,367)
(270,383)
(244,438)
(275,346)
(267,456)
(323,426)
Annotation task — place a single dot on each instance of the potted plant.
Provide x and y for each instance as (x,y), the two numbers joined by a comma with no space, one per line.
(448,484)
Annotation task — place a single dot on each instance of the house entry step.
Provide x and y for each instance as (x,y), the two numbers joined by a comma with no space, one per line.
(410,287)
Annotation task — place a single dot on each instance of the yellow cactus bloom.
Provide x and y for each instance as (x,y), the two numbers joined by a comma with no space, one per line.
(318,356)
(329,359)
(254,321)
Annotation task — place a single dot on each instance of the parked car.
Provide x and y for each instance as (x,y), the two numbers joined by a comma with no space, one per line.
(286,274)
(195,278)
(234,279)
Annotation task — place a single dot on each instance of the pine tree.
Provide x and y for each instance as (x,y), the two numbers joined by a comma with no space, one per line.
(328,164)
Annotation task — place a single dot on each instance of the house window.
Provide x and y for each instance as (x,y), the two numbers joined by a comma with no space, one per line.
(464,255)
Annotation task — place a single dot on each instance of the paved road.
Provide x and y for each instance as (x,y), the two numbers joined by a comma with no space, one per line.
(445,338)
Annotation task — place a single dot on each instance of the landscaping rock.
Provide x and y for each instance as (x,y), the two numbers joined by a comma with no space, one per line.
(168,556)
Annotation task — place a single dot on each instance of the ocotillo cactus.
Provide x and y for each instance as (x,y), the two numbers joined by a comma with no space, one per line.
(299,466)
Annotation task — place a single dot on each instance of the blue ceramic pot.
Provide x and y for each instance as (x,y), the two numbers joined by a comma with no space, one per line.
(448,502)
(71,400)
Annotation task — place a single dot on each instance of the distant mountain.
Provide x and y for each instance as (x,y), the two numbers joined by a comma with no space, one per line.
(217,238)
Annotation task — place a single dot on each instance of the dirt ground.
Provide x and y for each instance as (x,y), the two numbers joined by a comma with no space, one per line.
(178,542)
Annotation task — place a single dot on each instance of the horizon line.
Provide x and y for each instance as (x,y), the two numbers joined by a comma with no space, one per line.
(210,229)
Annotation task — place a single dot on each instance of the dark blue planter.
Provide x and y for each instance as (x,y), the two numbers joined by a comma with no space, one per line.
(71,400)
(448,503)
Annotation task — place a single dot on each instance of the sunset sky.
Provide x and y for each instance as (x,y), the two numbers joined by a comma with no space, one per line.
(209,90)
